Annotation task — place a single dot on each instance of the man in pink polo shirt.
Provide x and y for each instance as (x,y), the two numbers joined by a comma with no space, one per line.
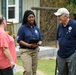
(7,50)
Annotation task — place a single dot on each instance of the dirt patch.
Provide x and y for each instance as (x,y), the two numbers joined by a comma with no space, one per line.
(20,69)
(40,73)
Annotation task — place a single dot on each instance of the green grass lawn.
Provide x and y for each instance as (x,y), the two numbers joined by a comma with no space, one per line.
(46,66)
(18,73)
(19,61)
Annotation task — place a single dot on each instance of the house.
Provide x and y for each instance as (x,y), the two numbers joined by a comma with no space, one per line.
(13,10)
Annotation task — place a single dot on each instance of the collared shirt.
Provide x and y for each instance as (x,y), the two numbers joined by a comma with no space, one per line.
(66,37)
(6,41)
(26,33)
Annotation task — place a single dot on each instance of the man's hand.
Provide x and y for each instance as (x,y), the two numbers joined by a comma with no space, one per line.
(12,64)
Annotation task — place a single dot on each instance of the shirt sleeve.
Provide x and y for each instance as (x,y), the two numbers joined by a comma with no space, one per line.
(20,34)
(4,42)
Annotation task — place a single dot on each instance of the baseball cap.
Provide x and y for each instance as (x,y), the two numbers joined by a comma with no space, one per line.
(61,11)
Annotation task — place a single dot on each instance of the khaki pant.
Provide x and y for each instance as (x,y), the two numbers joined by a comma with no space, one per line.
(29,59)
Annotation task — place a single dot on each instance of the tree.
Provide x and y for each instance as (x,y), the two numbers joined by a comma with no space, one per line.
(48,21)
(69,4)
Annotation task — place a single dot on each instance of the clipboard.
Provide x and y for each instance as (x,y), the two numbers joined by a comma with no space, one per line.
(34,41)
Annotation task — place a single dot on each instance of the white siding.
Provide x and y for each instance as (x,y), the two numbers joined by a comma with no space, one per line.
(16,27)
(27,4)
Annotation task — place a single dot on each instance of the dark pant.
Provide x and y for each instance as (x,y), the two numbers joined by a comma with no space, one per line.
(67,66)
(6,71)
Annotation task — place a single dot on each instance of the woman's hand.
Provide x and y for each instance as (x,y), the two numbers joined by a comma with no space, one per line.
(39,43)
(34,46)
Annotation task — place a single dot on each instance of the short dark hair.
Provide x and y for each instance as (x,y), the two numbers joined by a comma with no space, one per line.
(1,19)
(26,14)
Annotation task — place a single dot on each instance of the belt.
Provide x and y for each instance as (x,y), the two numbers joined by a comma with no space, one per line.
(26,48)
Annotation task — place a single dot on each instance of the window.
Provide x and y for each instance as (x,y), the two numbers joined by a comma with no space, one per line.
(12,11)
